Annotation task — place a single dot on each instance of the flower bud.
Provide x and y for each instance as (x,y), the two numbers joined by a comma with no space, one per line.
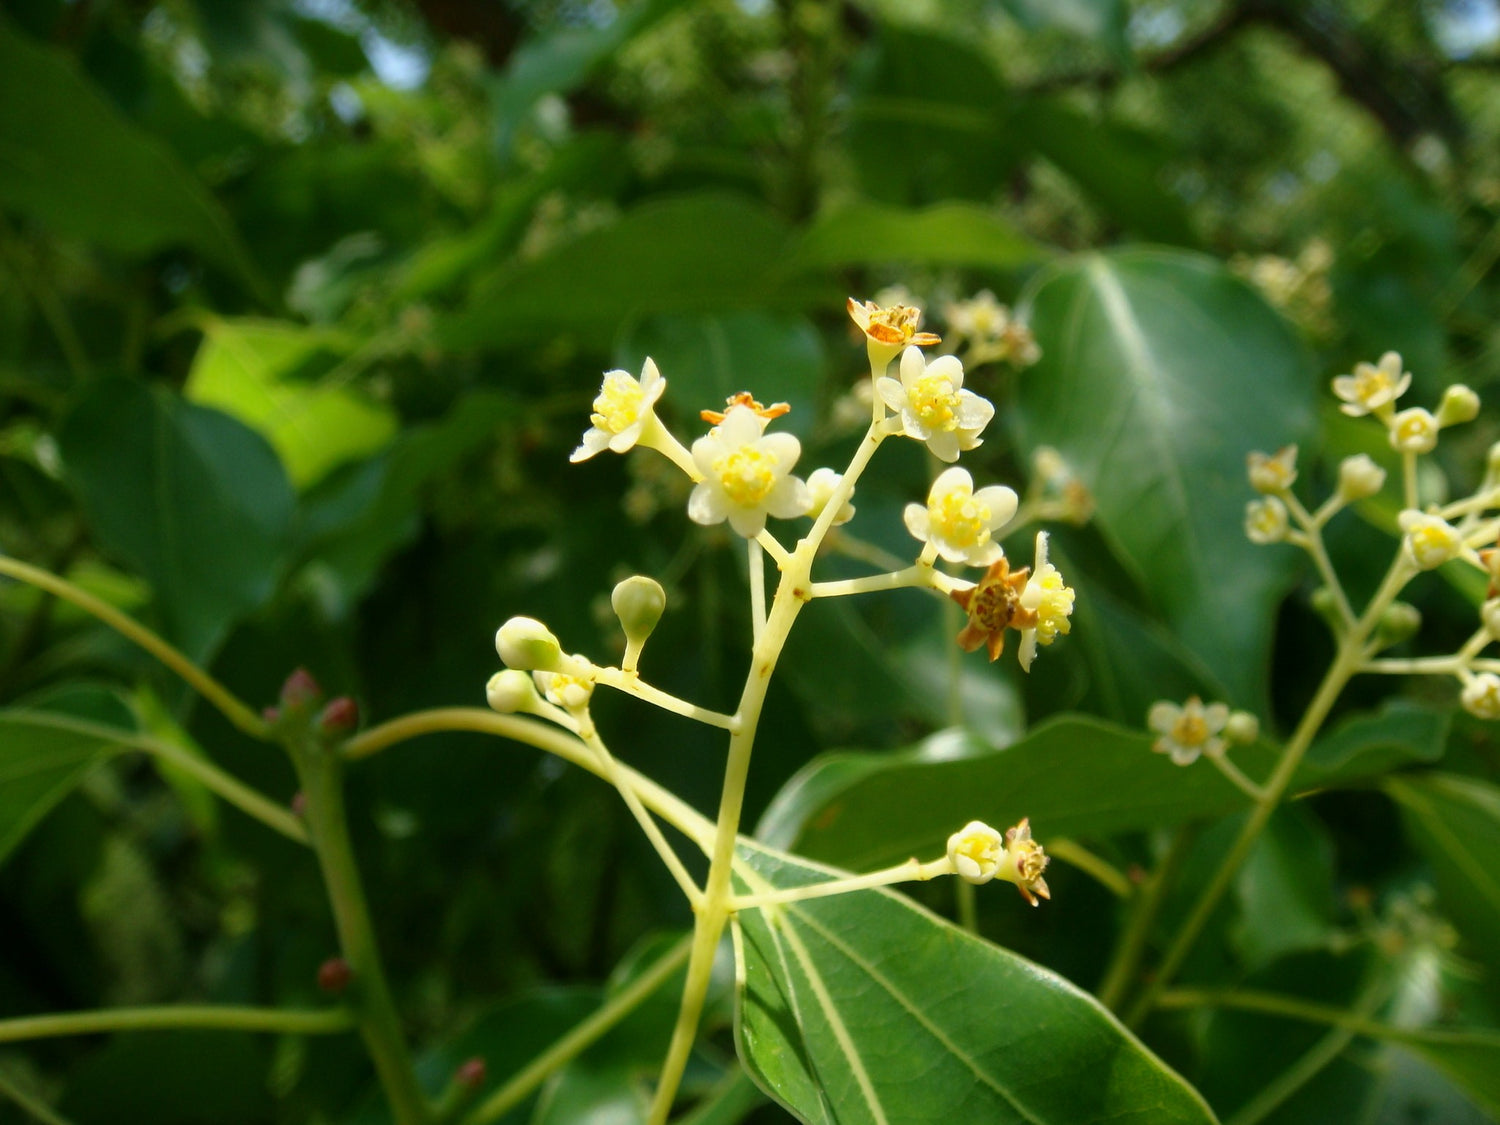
(511,691)
(1430,540)
(300,692)
(334,975)
(1459,404)
(1489,613)
(1360,477)
(1481,696)
(1326,605)
(340,717)
(525,643)
(820,486)
(1242,727)
(1266,521)
(1273,473)
(571,691)
(471,1073)
(638,602)
(1398,623)
(975,851)
(1414,431)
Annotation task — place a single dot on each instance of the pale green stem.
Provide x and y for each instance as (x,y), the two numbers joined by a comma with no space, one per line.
(1095,866)
(908,872)
(656,436)
(966,902)
(791,591)
(541,736)
(779,554)
(1132,945)
(1236,776)
(1471,506)
(580,1038)
(1409,478)
(199,1017)
(201,682)
(1328,509)
(617,778)
(757,573)
(920,575)
(1413,666)
(1346,663)
(1319,553)
(231,789)
(36,1108)
(320,770)
(631,684)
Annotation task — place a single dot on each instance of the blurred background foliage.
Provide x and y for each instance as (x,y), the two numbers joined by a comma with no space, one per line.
(302,306)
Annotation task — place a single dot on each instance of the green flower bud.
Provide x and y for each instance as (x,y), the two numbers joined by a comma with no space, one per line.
(1398,623)
(1459,404)
(511,691)
(1242,727)
(638,602)
(525,643)
(1326,606)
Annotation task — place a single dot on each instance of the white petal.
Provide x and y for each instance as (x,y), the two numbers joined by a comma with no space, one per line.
(594,440)
(705,449)
(1163,716)
(1184,755)
(741,426)
(623,441)
(944,445)
(982,555)
(948,367)
(950,479)
(891,392)
(912,366)
(1040,562)
(974,413)
(915,517)
(650,376)
(1215,715)
(748,522)
(789,499)
(912,426)
(707,505)
(1001,500)
(785,448)
(1027,652)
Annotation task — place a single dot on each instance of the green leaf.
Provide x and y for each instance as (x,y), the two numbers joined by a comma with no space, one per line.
(1160,371)
(957,234)
(1072,775)
(692,253)
(1455,823)
(189,497)
(1102,21)
(1285,889)
(251,369)
(70,161)
(866,1008)
(39,764)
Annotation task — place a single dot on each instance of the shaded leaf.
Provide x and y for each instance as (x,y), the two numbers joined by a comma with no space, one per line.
(189,497)
(1150,358)
(866,1008)
(1102,21)
(960,234)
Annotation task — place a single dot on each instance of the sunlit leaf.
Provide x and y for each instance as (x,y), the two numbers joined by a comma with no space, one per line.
(960,234)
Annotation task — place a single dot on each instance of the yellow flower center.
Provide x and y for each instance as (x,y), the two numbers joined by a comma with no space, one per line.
(1056,606)
(1030,859)
(1433,542)
(1190,730)
(1414,428)
(1371,383)
(982,848)
(747,474)
(618,406)
(934,402)
(958,518)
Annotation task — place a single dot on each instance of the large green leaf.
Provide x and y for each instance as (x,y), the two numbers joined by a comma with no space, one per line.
(959,234)
(189,497)
(1072,775)
(251,369)
(69,160)
(1455,822)
(41,764)
(1160,371)
(866,1008)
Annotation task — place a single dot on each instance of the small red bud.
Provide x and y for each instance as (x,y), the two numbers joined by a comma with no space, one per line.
(1136,874)
(471,1073)
(300,690)
(341,716)
(270,714)
(299,804)
(334,975)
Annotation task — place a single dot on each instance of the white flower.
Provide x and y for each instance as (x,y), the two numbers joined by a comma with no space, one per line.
(820,486)
(623,409)
(1414,431)
(933,405)
(1049,599)
(981,317)
(1481,696)
(1372,387)
(746,475)
(1189,730)
(1430,541)
(976,850)
(1274,472)
(1266,520)
(1360,477)
(959,523)
(570,692)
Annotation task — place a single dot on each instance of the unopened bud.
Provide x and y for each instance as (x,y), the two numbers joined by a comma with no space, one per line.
(1489,613)
(1266,520)
(334,975)
(525,643)
(471,1073)
(1360,477)
(511,691)
(1242,727)
(1272,473)
(1326,605)
(1481,696)
(340,717)
(300,692)
(1459,404)
(638,603)
(1414,431)
(1398,623)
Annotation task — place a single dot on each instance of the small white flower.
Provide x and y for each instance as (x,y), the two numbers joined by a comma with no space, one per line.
(933,405)
(976,850)
(1360,477)
(1414,431)
(1189,730)
(1481,696)
(1266,520)
(623,409)
(820,486)
(1372,387)
(566,691)
(746,475)
(1049,599)
(981,317)
(1429,541)
(1270,473)
(961,523)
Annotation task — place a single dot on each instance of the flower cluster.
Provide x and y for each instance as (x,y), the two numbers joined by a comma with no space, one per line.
(978,854)
(990,331)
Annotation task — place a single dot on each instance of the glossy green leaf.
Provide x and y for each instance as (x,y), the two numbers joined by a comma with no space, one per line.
(1285,889)
(1455,823)
(250,369)
(957,234)
(194,501)
(866,1008)
(41,764)
(69,160)
(1072,775)
(1160,371)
